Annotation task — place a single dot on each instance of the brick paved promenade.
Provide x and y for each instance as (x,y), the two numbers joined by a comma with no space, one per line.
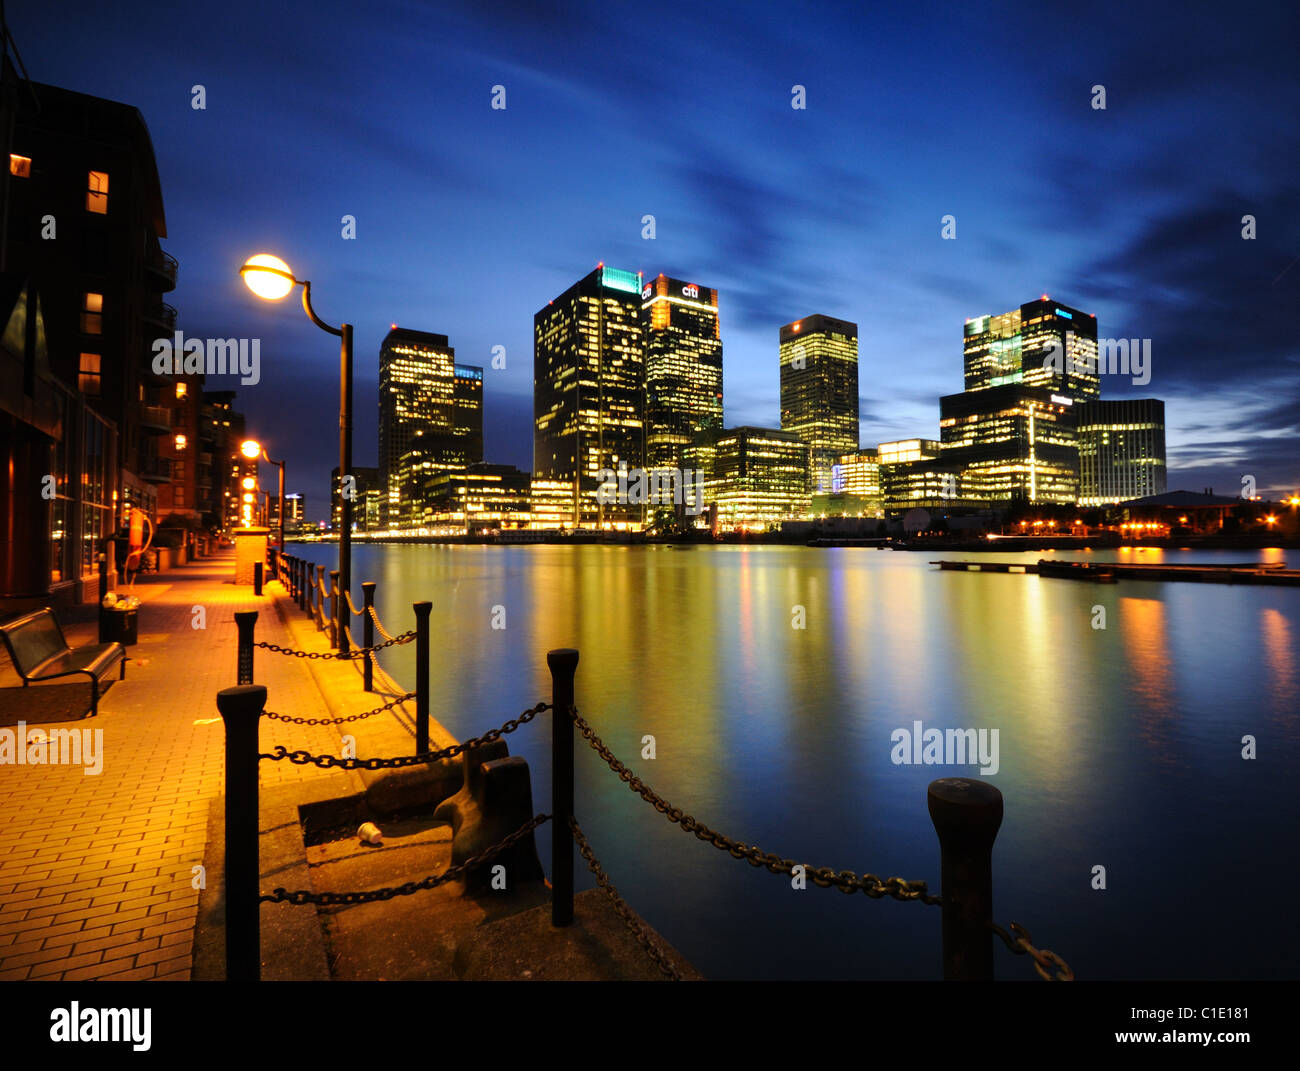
(96,871)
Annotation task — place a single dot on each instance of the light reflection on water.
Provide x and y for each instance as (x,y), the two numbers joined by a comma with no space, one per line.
(1118,747)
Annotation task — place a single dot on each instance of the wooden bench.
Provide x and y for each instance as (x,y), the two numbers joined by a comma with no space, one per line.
(40,653)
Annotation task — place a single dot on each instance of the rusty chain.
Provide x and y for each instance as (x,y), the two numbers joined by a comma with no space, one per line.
(845,880)
(356,653)
(374,616)
(331,899)
(639,931)
(1044,958)
(339,721)
(306,758)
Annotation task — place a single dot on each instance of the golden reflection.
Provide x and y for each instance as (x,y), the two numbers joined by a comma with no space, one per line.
(1145,634)
(1280,663)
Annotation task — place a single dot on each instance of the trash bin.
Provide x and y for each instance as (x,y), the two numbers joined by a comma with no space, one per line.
(119,620)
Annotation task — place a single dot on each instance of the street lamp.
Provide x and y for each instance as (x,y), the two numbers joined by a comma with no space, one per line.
(270,278)
(253,450)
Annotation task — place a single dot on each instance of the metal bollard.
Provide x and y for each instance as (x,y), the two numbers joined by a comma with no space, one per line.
(422,611)
(241,708)
(368,635)
(564,665)
(103,591)
(245,621)
(966,814)
(257,578)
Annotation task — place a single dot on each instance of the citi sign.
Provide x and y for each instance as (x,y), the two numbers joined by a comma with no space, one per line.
(690,291)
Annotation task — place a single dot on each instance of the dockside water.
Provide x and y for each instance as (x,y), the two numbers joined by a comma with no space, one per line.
(1118,747)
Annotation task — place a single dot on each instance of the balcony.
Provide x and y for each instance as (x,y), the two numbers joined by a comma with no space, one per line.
(162,316)
(155,469)
(156,419)
(161,270)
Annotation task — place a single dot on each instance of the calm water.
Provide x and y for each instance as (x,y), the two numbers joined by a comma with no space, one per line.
(1119,747)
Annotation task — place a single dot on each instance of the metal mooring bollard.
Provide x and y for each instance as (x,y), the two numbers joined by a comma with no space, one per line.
(966,813)
(336,622)
(257,578)
(564,665)
(422,611)
(245,621)
(241,709)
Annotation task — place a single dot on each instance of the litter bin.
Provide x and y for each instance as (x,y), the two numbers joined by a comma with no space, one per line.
(119,620)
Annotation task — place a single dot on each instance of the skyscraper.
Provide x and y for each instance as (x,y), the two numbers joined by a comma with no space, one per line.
(819,391)
(589,395)
(1121,450)
(1010,436)
(430,412)
(683,361)
(1018,347)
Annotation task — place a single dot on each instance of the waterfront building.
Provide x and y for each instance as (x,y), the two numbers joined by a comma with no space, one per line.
(1121,450)
(819,391)
(754,478)
(80,399)
(683,366)
(479,498)
(589,399)
(430,413)
(367,500)
(1014,348)
(913,475)
(857,476)
(1011,444)
(220,463)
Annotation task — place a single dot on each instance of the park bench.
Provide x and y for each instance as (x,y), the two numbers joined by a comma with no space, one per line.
(40,653)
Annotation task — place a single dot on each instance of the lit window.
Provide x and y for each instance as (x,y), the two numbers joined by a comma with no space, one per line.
(21,166)
(180,442)
(181,390)
(97,192)
(92,314)
(88,379)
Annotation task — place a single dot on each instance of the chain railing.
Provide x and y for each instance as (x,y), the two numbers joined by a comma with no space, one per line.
(966,814)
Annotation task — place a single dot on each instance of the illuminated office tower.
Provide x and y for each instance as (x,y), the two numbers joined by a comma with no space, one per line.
(1043,343)
(819,391)
(1011,444)
(683,366)
(914,474)
(588,400)
(430,413)
(754,477)
(855,486)
(1121,450)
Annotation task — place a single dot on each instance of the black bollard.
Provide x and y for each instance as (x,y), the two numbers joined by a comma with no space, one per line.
(564,665)
(966,813)
(103,592)
(245,621)
(240,709)
(368,635)
(422,611)
(257,578)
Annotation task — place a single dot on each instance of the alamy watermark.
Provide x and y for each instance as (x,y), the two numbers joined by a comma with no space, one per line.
(660,486)
(1115,357)
(53,747)
(209,357)
(945,747)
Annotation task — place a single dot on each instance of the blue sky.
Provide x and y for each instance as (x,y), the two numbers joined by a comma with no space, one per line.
(469,219)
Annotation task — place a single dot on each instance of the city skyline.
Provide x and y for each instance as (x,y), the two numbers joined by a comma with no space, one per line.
(1108,218)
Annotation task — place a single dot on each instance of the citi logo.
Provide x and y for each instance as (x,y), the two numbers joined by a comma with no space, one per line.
(76,1023)
(690,291)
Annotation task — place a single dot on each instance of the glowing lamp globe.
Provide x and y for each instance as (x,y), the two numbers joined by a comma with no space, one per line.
(267,276)
(250,448)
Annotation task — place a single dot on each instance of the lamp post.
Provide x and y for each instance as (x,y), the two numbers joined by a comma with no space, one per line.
(270,278)
(253,450)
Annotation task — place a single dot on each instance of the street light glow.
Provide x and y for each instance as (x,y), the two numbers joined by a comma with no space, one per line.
(267,276)
(250,448)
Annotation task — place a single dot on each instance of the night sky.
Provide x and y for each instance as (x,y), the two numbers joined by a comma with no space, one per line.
(469,219)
